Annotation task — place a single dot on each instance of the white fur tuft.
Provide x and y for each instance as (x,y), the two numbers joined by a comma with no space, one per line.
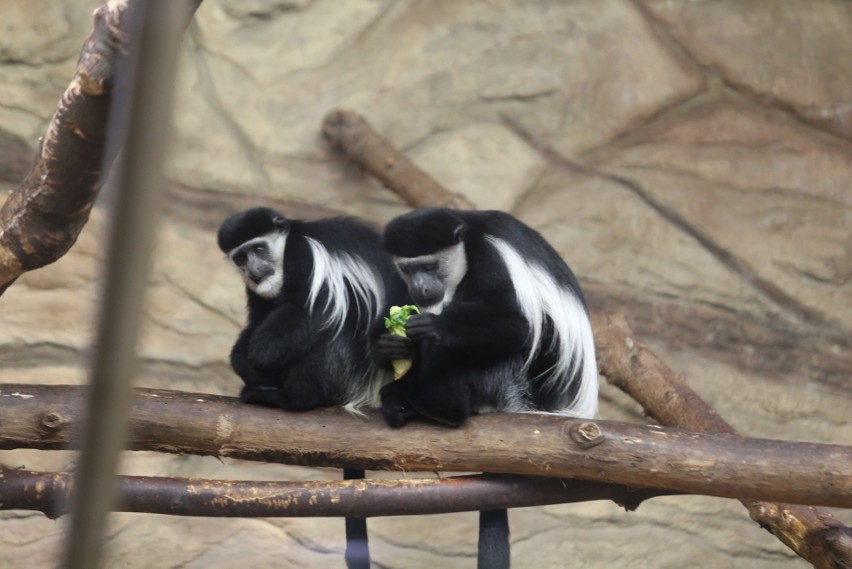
(337,271)
(540,297)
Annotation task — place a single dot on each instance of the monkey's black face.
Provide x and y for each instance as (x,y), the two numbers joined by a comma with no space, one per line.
(432,279)
(425,284)
(260,261)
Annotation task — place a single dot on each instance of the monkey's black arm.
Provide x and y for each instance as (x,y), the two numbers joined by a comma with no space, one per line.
(386,347)
(471,324)
(286,334)
(239,356)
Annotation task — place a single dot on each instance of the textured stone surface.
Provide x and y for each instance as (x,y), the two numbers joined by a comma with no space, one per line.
(787,53)
(690,160)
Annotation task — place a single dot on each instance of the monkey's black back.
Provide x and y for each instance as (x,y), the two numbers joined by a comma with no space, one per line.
(528,242)
(542,395)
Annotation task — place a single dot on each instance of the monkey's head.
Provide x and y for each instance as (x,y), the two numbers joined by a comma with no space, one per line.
(429,253)
(254,241)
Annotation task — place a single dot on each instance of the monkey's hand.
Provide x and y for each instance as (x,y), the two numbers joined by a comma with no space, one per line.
(391,347)
(422,327)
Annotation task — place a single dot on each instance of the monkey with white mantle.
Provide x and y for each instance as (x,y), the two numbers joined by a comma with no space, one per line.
(503,327)
(315,290)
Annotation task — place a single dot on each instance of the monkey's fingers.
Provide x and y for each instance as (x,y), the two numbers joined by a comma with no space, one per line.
(421,327)
(390,347)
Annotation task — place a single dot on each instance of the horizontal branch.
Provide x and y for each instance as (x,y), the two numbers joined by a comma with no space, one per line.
(49,492)
(642,456)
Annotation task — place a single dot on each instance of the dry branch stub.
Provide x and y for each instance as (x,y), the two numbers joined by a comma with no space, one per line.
(351,135)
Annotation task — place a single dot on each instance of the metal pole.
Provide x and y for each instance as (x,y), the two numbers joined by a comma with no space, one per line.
(142,105)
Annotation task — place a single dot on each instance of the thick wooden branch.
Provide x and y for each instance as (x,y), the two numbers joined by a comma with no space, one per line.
(813,533)
(642,456)
(49,493)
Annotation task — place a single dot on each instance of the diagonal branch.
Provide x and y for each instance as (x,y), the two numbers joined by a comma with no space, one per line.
(813,533)
(353,137)
(42,218)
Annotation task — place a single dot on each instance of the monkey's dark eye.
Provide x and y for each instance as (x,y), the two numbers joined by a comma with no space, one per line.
(429,267)
(258,249)
(239,258)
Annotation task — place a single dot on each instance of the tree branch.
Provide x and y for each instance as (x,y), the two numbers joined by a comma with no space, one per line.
(49,493)
(42,218)
(641,456)
(351,135)
(813,533)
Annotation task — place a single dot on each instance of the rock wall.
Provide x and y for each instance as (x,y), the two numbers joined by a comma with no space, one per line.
(690,159)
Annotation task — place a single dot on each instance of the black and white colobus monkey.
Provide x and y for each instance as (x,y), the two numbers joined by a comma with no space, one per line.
(315,290)
(504,327)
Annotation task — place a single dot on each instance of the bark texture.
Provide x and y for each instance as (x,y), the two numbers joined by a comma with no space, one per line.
(43,216)
(643,456)
(48,492)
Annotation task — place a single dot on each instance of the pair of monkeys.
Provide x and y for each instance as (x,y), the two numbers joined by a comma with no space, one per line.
(503,323)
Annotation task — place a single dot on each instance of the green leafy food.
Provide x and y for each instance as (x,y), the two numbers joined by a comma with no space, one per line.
(395,323)
(398,316)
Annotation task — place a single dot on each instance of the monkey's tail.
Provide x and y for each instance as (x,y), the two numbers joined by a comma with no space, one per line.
(357,554)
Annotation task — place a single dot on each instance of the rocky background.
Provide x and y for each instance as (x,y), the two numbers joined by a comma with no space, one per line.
(691,160)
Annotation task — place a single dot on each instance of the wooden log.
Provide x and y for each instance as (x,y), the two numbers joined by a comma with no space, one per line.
(49,493)
(642,456)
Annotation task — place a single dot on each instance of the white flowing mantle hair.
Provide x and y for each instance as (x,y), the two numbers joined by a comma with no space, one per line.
(335,271)
(539,297)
